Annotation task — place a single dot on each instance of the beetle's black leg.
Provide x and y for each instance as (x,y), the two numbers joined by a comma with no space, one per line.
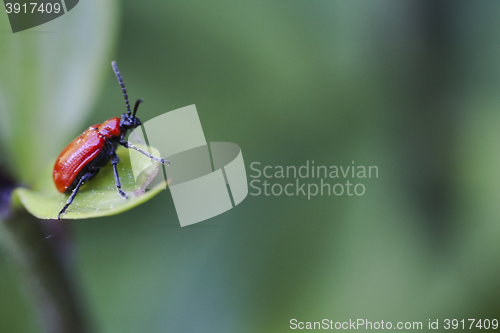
(127,144)
(82,180)
(114,161)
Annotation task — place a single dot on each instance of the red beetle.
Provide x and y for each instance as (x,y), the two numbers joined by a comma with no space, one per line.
(82,159)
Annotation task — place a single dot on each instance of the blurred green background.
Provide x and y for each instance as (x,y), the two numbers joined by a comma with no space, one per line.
(408,86)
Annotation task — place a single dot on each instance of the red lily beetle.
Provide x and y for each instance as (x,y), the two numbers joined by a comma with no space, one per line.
(82,159)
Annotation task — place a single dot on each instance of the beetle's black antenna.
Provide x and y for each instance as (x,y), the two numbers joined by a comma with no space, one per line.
(139,101)
(120,80)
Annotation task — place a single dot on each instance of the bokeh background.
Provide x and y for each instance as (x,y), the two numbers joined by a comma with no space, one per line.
(411,87)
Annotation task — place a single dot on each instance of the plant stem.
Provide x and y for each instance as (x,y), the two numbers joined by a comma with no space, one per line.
(42,273)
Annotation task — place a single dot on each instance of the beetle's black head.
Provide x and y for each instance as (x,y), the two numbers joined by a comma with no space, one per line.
(129,121)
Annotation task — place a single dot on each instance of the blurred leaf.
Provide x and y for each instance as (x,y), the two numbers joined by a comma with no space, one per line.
(97,197)
(51,75)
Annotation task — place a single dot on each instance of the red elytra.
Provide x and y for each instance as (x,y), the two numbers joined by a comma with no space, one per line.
(81,151)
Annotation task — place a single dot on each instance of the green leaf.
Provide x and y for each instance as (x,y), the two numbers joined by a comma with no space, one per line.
(50,78)
(96,198)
